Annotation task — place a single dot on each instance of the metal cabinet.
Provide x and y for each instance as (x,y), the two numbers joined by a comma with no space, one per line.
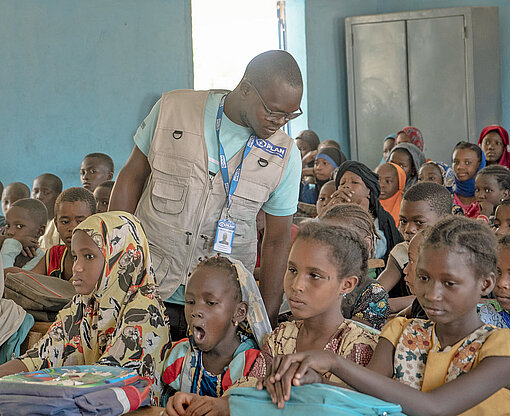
(438,70)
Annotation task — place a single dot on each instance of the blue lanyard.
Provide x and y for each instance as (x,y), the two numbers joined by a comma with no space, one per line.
(230,187)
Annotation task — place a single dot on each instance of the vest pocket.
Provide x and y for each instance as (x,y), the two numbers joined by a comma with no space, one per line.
(246,203)
(169,197)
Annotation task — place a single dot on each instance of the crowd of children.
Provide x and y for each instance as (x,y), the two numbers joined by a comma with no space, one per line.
(397,283)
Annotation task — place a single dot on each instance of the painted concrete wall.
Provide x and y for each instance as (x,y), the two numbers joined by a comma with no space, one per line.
(325,51)
(79,76)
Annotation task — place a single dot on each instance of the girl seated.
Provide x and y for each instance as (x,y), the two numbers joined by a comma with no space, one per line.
(468,159)
(368,302)
(494,142)
(326,161)
(449,364)
(227,322)
(502,219)
(492,186)
(409,158)
(496,311)
(324,265)
(392,180)
(356,183)
(116,318)
(412,135)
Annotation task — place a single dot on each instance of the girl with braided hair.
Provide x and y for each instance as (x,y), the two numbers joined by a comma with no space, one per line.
(449,364)
(324,264)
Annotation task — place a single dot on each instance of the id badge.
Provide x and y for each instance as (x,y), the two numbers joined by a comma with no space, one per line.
(224,236)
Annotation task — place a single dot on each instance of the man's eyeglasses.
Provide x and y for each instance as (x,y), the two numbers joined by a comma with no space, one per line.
(276,115)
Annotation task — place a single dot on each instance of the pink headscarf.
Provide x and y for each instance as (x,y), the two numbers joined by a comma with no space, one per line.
(415,136)
(504,160)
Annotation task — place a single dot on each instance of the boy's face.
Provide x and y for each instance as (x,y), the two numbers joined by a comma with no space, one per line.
(388,180)
(93,172)
(20,225)
(67,216)
(403,138)
(387,146)
(42,191)
(9,197)
(502,220)
(324,198)
(303,147)
(465,164)
(102,196)
(414,216)
(410,269)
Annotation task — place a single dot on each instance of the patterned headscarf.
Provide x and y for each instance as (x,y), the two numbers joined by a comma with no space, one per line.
(121,323)
(414,135)
(504,160)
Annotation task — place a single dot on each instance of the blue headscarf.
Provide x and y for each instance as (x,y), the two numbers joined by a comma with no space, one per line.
(467,188)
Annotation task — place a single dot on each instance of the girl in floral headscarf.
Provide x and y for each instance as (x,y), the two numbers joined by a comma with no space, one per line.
(116,318)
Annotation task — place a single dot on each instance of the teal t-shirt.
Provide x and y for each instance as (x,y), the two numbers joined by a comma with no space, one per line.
(282,201)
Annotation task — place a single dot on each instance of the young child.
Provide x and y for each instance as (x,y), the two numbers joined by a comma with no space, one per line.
(409,158)
(356,183)
(414,310)
(502,219)
(468,159)
(494,142)
(423,204)
(116,318)
(449,364)
(324,264)
(25,222)
(497,311)
(492,186)
(325,197)
(431,172)
(412,135)
(307,142)
(46,188)
(102,194)
(368,302)
(389,143)
(392,180)
(227,322)
(71,207)
(326,161)
(95,168)
(12,193)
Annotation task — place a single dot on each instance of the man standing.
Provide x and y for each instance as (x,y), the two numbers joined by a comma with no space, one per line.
(204,163)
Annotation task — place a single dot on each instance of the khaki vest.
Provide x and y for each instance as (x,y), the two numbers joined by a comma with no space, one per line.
(180,206)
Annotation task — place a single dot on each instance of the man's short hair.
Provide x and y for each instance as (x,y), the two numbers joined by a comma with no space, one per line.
(105,159)
(36,209)
(271,65)
(437,196)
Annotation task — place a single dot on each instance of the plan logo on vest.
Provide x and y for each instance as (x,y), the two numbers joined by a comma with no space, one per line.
(270,148)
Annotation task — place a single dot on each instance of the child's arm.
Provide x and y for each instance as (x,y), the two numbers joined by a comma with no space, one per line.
(12,367)
(391,275)
(11,248)
(398,304)
(451,398)
(40,268)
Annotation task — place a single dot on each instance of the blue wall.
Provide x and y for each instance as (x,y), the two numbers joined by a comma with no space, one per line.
(79,76)
(325,50)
